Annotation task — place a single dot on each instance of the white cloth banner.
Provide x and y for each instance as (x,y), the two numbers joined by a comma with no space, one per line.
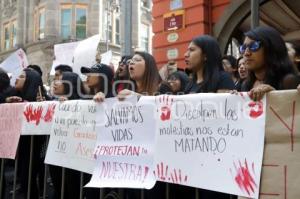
(64,54)
(210,141)
(73,135)
(125,147)
(14,64)
(37,118)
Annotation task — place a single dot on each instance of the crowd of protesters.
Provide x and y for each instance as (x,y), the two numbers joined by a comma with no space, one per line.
(266,63)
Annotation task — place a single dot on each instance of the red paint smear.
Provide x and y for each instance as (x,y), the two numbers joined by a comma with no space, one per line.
(33,114)
(256,113)
(244,179)
(146,172)
(49,114)
(270,165)
(269,194)
(285,182)
(291,130)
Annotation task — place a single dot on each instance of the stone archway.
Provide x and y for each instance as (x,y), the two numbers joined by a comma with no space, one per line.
(234,15)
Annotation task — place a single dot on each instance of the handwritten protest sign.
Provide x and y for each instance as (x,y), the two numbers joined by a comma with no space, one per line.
(281,163)
(125,146)
(10,128)
(14,64)
(38,117)
(210,141)
(85,53)
(73,136)
(64,54)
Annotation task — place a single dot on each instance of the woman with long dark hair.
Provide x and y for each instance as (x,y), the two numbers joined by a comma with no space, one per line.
(204,59)
(268,63)
(122,79)
(144,73)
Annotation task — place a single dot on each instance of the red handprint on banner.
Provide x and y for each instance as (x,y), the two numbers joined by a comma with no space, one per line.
(165,174)
(165,109)
(32,114)
(244,177)
(50,112)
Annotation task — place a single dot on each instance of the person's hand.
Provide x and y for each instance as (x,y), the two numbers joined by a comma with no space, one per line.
(298,88)
(40,98)
(99,97)
(125,93)
(13,99)
(258,92)
(233,92)
(62,99)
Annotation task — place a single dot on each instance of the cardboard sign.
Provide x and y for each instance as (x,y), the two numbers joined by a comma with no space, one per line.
(281,163)
(125,146)
(10,128)
(15,64)
(38,117)
(73,136)
(206,141)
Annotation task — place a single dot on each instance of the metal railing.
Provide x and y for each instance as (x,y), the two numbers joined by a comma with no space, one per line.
(48,191)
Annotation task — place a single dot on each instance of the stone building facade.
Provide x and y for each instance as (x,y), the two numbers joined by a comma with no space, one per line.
(37,25)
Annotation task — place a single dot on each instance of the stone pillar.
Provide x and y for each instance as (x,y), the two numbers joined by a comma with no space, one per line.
(21,22)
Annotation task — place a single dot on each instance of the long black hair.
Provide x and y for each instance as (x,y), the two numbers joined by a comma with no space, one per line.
(277,61)
(4,80)
(212,65)
(151,78)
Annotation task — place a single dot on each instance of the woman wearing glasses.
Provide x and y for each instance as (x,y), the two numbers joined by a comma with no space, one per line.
(268,63)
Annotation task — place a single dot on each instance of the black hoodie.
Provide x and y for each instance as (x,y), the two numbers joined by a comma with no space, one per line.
(31,86)
(74,80)
(5,89)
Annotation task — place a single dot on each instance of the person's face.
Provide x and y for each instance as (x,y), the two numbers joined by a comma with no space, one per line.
(58,87)
(57,75)
(175,84)
(123,69)
(227,66)
(93,80)
(243,71)
(137,67)
(194,57)
(253,55)
(20,81)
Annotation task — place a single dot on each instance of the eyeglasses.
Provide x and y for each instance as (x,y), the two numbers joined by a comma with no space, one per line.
(253,47)
(125,62)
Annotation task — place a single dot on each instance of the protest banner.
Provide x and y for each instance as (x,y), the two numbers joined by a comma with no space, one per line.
(37,118)
(210,141)
(73,135)
(14,64)
(280,172)
(124,151)
(10,128)
(64,54)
